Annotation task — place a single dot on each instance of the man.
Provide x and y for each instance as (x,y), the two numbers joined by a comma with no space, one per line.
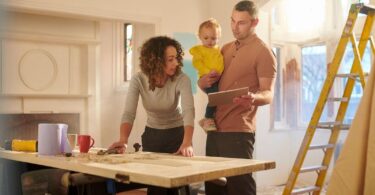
(248,63)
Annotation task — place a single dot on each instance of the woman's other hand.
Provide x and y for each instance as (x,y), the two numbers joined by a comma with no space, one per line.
(186,150)
(120,146)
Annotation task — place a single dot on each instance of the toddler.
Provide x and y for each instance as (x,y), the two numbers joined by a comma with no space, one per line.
(207,59)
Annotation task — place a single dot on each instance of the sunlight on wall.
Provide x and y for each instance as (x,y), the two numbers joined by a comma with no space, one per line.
(304,15)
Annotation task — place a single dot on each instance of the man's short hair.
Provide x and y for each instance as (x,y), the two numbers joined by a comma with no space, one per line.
(247,6)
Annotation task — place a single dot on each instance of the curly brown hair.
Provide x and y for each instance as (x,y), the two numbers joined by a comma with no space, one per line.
(152,59)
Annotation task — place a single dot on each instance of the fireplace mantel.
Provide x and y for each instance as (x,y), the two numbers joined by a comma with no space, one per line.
(49,64)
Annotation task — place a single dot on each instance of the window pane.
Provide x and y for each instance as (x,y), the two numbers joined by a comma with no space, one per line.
(128,56)
(277,101)
(357,92)
(314,70)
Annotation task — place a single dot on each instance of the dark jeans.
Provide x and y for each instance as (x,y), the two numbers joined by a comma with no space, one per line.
(210,110)
(231,145)
(164,141)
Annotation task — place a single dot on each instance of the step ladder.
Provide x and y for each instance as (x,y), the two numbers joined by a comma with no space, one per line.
(356,74)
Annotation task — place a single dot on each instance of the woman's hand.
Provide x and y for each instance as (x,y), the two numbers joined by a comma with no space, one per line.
(120,146)
(186,150)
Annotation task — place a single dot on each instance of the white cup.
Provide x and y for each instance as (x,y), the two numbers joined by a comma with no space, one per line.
(72,138)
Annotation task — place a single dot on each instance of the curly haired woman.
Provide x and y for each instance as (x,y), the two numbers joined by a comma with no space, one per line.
(160,84)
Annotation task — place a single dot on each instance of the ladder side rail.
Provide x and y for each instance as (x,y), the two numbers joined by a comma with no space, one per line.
(372,45)
(357,62)
(365,38)
(340,50)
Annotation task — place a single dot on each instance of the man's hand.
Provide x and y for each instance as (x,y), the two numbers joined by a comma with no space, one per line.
(263,96)
(246,101)
(207,80)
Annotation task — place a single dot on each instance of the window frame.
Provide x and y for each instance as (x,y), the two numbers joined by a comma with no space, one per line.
(302,123)
(120,79)
(281,124)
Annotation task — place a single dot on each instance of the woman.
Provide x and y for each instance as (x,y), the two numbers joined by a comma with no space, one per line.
(161,85)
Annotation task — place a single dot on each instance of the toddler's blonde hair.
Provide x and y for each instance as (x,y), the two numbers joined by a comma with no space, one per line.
(210,23)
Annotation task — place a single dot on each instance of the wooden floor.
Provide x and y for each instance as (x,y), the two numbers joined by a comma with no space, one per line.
(269,190)
(134,192)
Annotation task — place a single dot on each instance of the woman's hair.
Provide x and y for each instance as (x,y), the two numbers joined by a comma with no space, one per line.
(152,59)
(210,23)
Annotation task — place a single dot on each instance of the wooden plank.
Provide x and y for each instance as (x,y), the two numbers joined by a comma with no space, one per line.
(157,169)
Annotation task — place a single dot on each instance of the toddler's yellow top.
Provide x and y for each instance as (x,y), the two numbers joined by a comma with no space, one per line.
(206,59)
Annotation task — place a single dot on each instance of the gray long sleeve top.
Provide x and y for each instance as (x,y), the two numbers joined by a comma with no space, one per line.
(161,105)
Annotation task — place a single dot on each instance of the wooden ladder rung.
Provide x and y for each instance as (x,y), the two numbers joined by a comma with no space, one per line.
(313,168)
(345,127)
(305,189)
(324,146)
(331,125)
(350,75)
(338,99)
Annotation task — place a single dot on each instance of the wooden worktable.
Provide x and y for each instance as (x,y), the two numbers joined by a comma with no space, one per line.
(157,169)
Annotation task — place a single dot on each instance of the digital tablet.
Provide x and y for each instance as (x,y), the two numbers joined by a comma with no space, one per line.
(226,97)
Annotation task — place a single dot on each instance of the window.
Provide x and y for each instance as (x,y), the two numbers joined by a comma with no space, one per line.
(128,51)
(314,71)
(275,16)
(277,104)
(123,55)
(297,88)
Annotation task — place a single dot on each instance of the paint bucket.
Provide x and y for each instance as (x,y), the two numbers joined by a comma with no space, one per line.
(52,139)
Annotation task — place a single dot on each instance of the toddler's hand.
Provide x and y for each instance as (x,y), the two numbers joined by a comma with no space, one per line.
(207,80)
(213,73)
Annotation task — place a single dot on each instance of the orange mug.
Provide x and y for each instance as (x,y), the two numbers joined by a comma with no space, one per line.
(85,143)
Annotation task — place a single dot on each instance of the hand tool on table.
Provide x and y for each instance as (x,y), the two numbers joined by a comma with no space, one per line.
(109,151)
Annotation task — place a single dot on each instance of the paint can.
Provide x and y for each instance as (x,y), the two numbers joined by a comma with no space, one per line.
(21,145)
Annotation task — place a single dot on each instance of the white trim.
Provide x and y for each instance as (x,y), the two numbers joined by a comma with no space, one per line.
(282,123)
(56,8)
(47,38)
(118,56)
